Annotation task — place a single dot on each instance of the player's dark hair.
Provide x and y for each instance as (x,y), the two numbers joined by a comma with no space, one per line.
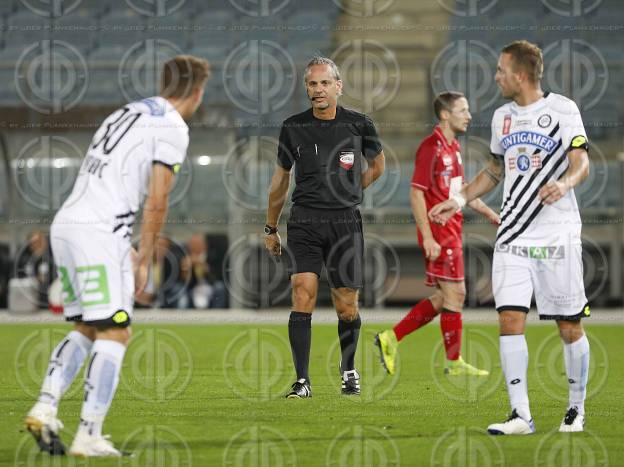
(183,74)
(445,101)
(528,57)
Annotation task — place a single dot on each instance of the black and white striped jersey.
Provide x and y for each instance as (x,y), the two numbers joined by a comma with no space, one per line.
(114,178)
(534,141)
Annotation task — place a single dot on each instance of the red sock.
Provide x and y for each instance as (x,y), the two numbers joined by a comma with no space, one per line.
(451,325)
(421,314)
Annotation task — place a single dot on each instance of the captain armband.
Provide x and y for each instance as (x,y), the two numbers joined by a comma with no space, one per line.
(579,142)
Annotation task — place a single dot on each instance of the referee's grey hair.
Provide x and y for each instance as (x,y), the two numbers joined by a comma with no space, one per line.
(320,60)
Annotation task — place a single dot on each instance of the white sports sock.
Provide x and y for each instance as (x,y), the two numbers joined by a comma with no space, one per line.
(515,360)
(101,378)
(576,356)
(65,362)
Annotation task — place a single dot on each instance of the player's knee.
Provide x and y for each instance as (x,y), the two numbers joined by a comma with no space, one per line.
(454,300)
(116,333)
(437,301)
(570,331)
(303,293)
(85,330)
(511,322)
(347,311)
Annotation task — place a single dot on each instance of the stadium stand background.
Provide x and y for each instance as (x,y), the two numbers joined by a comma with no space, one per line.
(65,65)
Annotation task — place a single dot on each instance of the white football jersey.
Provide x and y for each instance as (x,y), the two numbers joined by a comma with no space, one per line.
(534,141)
(114,178)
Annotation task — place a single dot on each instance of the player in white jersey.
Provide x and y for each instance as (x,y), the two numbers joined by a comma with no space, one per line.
(130,162)
(539,145)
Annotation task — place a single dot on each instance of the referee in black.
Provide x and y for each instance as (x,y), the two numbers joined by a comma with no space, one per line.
(326,145)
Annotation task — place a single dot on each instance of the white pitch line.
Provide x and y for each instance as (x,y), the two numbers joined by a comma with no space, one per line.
(280,316)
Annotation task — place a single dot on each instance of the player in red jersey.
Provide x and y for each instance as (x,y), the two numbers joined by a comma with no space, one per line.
(438,176)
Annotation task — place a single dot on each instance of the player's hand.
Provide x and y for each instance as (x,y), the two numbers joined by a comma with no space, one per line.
(552,192)
(141,272)
(442,212)
(273,243)
(494,219)
(432,248)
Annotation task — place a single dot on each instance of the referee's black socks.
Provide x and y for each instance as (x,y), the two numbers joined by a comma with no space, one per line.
(300,336)
(348,333)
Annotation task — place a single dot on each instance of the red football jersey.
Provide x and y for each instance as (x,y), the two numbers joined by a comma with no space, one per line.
(438,169)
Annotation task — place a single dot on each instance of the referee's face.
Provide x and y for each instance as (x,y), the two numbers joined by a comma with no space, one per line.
(322,87)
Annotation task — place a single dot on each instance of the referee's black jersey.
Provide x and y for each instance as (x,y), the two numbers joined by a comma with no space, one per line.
(327,155)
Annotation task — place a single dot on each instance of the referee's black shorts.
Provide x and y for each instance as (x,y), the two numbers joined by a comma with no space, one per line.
(330,237)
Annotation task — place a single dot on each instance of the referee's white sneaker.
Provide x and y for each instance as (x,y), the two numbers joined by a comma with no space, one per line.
(572,422)
(514,425)
(93,446)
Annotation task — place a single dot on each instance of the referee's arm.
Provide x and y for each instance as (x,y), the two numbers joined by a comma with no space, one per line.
(375,169)
(277,195)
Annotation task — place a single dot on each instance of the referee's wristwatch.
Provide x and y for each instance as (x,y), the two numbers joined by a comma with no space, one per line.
(268,230)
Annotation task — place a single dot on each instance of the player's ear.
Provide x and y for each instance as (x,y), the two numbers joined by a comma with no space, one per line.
(198,93)
(339,87)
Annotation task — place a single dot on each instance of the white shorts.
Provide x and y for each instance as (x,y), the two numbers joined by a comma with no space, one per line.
(555,274)
(95,269)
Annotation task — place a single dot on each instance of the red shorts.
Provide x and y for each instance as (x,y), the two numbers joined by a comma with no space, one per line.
(449,266)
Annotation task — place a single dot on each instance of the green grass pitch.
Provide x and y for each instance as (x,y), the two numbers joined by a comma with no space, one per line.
(209,395)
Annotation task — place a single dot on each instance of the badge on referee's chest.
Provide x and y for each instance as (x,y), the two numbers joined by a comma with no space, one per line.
(346,159)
